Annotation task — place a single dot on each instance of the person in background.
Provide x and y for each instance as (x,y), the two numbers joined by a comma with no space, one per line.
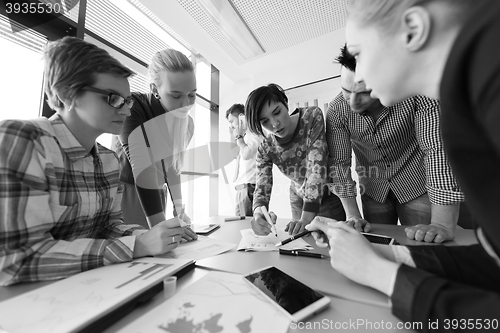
(245,170)
(296,144)
(446,50)
(60,196)
(400,160)
(161,113)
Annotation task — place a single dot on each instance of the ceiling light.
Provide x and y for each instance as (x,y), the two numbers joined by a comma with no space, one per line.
(231,24)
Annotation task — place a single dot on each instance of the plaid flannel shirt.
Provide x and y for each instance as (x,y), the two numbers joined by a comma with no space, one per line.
(402,151)
(60,207)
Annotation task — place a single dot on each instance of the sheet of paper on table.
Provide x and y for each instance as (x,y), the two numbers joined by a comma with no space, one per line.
(251,242)
(203,247)
(218,302)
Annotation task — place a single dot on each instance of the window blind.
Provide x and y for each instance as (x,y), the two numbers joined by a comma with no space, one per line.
(27,37)
(111,23)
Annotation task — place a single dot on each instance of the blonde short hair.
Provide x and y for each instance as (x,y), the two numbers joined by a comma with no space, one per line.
(168,60)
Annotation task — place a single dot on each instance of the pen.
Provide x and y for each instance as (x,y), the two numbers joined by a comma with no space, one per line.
(302,254)
(234,218)
(181,221)
(268,219)
(294,237)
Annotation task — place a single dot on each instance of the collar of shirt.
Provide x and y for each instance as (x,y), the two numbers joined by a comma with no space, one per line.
(67,141)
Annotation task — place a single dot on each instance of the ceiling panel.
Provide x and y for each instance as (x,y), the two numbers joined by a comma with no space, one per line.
(277,24)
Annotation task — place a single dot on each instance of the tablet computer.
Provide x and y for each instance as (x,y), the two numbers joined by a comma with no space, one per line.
(380,239)
(204,229)
(294,298)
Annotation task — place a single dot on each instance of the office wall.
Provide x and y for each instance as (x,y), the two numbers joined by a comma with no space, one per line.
(314,94)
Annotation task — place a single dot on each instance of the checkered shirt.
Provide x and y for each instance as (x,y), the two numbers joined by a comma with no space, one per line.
(402,151)
(60,206)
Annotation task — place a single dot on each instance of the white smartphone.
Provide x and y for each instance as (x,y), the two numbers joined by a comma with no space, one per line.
(243,122)
(294,298)
(380,239)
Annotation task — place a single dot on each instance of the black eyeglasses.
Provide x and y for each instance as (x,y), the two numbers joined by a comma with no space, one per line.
(114,100)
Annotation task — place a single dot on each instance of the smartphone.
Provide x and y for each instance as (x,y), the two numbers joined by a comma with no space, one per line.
(380,239)
(292,297)
(204,229)
(241,119)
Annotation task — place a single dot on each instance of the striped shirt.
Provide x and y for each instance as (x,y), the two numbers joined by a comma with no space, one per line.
(60,208)
(402,151)
(303,159)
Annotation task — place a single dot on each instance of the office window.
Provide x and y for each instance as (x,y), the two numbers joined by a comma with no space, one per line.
(203,77)
(197,186)
(22,72)
(124,25)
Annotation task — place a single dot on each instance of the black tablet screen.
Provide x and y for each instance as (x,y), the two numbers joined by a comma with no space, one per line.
(289,293)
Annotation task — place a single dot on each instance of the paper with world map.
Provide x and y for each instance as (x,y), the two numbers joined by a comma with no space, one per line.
(218,302)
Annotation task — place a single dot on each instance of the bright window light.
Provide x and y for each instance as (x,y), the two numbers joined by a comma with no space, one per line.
(146,22)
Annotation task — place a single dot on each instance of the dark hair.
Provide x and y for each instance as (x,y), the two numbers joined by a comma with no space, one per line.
(70,65)
(346,59)
(255,102)
(235,110)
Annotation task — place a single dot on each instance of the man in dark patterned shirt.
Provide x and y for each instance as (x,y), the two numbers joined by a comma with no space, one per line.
(400,161)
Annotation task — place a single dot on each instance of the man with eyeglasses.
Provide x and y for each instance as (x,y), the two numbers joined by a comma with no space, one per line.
(60,193)
(114,99)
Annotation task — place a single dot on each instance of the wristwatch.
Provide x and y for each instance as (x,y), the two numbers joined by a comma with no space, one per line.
(238,137)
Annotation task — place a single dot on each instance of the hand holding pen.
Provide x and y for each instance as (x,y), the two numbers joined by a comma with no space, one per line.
(262,226)
(185,222)
(268,219)
(294,237)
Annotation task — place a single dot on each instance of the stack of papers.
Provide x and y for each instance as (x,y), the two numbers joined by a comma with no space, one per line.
(251,242)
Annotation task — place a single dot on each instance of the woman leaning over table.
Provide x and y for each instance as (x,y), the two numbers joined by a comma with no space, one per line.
(446,49)
(296,144)
(163,112)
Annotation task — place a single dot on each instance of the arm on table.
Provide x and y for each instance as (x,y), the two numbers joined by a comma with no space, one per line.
(316,169)
(442,228)
(263,188)
(339,165)
(353,256)
(353,215)
(443,190)
(419,296)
